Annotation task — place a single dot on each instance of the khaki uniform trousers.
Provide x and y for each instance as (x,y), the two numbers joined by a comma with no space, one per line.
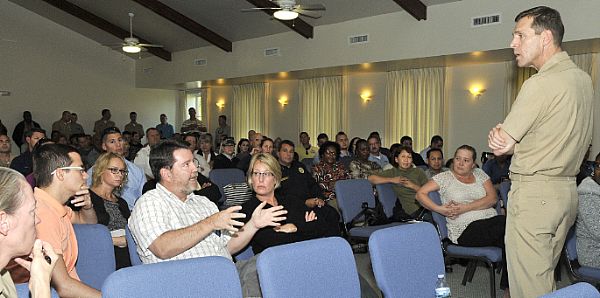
(541,209)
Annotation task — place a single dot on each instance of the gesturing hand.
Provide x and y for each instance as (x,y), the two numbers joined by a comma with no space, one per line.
(267,217)
(310,216)
(226,219)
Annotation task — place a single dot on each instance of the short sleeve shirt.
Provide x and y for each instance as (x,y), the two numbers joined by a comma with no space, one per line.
(551,120)
(406,195)
(453,190)
(159,211)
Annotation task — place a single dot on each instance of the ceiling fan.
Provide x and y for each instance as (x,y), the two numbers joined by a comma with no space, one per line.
(132,44)
(289,10)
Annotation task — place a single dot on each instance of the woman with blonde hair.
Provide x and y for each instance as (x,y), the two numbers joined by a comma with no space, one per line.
(109,176)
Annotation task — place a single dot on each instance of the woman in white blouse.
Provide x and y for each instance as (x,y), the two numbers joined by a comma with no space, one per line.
(468,201)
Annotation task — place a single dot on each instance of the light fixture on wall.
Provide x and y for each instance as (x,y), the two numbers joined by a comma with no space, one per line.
(477,91)
(283,101)
(366,96)
(4,93)
(220,104)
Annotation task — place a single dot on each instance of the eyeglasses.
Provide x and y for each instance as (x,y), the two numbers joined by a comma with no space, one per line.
(262,174)
(194,162)
(115,171)
(80,169)
(330,152)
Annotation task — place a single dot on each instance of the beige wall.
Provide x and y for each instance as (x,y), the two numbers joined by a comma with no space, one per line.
(50,69)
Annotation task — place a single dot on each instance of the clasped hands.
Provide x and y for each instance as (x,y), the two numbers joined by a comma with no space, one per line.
(452,209)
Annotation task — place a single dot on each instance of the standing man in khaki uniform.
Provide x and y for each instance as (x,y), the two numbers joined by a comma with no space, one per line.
(548,129)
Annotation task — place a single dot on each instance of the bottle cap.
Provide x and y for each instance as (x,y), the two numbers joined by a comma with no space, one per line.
(440,276)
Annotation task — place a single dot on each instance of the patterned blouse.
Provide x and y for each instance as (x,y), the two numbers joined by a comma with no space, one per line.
(361,169)
(326,176)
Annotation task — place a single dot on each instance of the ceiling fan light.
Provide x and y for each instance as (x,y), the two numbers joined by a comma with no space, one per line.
(285,15)
(131,49)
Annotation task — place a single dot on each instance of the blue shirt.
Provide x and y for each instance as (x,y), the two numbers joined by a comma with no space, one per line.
(381,160)
(166,130)
(135,183)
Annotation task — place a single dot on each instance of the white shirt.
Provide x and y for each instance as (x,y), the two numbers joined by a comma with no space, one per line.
(142,160)
(159,211)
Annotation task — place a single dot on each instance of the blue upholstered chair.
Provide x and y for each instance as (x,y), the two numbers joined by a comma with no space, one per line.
(23,291)
(578,272)
(314,268)
(197,277)
(387,198)
(579,290)
(351,194)
(406,260)
(96,259)
(222,177)
(489,255)
(134,257)
(245,254)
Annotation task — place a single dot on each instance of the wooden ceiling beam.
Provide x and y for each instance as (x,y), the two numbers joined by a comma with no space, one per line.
(104,25)
(186,23)
(416,8)
(297,24)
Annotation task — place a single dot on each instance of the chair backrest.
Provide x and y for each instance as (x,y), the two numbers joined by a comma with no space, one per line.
(244,254)
(406,260)
(222,177)
(308,163)
(571,244)
(439,219)
(351,194)
(96,259)
(346,160)
(504,189)
(197,277)
(134,257)
(314,268)
(387,198)
(23,291)
(579,290)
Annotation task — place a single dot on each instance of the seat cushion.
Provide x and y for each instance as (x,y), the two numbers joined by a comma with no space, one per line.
(492,253)
(589,272)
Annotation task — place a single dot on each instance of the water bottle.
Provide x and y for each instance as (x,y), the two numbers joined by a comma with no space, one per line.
(442,290)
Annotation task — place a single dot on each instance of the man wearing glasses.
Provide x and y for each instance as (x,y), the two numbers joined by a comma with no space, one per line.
(172,223)
(112,141)
(60,177)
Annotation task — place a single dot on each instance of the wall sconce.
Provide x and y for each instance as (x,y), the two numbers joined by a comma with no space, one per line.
(283,101)
(366,96)
(477,91)
(220,104)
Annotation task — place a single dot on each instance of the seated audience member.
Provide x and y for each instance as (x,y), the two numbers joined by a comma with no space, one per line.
(342,139)
(135,145)
(18,135)
(31,177)
(383,150)
(165,129)
(242,149)
(376,155)
(5,151)
(361,167)
(306,150)
(110,174)
(24,162)
(141,159)
(206,155)
(301,223)
(172,223)
(407,142)
(266,145)
(321,139)
(227,159)
(435,162)
(352,146)
(296,180)
(436,143)
(112,142)
(588,219)
(406,180)
(60,176)
(328,171)
(255,147)
(18,237)
(497,169)
(468,203)
(587,167)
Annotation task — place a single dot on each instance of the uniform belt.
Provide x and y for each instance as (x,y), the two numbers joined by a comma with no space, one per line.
(539,177)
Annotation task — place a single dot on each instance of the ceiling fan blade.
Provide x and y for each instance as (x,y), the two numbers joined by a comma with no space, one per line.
(150,45)
(310,7)
(259,9)
(308,13)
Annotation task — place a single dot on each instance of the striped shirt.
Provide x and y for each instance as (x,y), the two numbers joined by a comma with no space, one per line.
(159,211)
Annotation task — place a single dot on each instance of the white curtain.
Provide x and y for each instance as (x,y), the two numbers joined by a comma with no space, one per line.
(249,109)
(414,105)
(322,106)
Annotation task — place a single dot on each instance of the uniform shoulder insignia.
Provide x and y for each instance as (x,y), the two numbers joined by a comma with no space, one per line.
(300,170)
